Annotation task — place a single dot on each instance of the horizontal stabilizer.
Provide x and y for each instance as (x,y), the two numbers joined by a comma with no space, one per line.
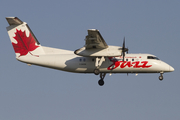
(14,21)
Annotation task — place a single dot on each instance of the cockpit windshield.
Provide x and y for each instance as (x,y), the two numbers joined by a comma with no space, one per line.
(152,57)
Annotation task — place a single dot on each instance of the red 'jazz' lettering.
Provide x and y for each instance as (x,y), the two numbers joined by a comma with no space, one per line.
(145,64)
(136,64)
(124,64)
(114,65)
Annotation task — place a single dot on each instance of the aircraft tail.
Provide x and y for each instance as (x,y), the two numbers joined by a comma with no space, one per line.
(22,38)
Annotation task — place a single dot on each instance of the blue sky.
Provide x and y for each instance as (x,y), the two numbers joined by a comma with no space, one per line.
(37,93)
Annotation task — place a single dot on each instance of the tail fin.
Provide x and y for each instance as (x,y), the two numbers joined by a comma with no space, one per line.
(23,40)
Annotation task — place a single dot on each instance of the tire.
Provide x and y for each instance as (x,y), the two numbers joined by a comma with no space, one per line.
(101,82)
(160,78)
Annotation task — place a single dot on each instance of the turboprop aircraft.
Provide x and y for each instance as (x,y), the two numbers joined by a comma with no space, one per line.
(95,57)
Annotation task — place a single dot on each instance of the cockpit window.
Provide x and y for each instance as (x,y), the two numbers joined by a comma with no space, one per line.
(152,57)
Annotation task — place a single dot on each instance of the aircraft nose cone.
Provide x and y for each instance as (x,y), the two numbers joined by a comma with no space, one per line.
(171,69)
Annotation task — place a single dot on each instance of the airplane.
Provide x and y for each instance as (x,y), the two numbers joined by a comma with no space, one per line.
(95,57)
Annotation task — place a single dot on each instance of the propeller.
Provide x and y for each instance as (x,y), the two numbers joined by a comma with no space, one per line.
(124,49)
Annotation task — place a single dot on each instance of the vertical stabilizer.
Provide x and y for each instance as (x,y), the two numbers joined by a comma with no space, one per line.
(22,38)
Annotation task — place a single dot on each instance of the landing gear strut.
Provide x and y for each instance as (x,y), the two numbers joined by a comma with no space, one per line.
(98,63)
(161,76)
(101,81)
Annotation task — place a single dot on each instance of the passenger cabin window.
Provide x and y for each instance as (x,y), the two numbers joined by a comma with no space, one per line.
(152,57)
(84,59)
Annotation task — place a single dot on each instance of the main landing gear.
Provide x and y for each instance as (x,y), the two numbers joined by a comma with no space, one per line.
(98,63)
(161,76)
(101,81)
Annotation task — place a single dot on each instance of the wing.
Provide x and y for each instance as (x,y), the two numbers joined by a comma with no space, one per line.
(95,46)
(95,40)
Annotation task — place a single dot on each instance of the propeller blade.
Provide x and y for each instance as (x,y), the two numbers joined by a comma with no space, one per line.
(124,43)
(123,56)
(124,49)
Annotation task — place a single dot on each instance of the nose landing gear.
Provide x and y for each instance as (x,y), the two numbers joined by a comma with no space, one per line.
(161,76)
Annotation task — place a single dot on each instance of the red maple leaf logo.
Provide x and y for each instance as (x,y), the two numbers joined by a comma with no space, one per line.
(24,44)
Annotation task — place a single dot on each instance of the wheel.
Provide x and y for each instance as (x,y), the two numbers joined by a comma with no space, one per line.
(101,82)
(161,78)
(96,71)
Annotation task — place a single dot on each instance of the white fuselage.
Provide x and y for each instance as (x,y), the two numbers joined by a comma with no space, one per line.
(68,61)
